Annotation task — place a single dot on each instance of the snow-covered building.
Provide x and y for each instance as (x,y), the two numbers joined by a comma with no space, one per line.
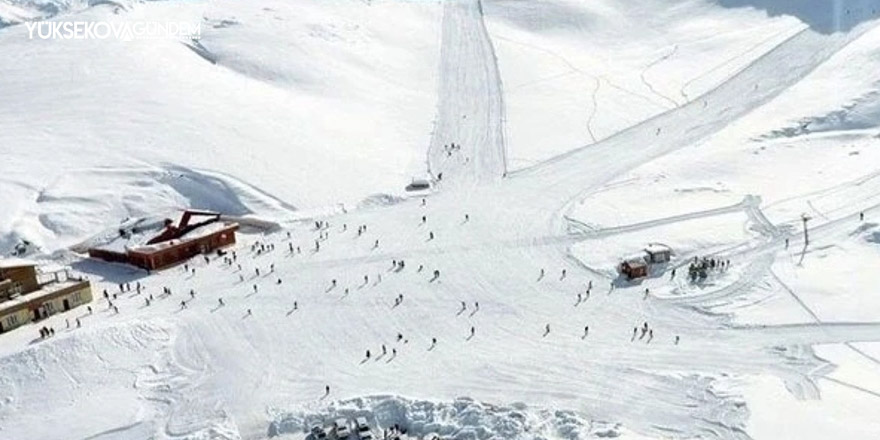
(157,246)
(634,268)
(639,266)
(27,295)
(656,253)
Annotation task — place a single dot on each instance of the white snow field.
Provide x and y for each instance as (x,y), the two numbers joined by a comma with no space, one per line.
(587,130)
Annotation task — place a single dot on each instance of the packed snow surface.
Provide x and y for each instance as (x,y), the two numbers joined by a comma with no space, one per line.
(561,136)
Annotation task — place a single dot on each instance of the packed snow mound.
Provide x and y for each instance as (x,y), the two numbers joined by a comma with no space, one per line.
(862,114)
(461,419)
(83,202)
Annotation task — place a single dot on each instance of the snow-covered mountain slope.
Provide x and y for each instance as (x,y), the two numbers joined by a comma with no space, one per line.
(286,77)
(715,126)
(11,14)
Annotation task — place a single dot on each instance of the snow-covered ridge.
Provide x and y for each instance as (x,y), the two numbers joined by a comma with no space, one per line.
(18,11)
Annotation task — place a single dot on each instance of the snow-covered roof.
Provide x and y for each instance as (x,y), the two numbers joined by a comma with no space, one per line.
(141,232)
(636,261)
(8,263)
(654,248)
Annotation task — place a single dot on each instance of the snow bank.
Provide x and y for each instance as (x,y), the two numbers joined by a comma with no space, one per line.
(461,419)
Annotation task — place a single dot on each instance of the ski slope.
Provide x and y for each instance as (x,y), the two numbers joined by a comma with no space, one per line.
(536,335)
(470,106)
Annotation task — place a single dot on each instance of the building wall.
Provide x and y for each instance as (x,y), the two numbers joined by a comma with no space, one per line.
(108,255)
(14,318)
(25,276)
(183,251)
(44,305)
(7,287)
(75,296)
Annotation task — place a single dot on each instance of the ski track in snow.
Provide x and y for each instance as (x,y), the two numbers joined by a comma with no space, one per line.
(649,85)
